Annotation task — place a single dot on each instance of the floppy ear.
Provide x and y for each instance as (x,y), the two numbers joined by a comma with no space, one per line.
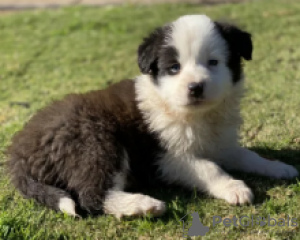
(239,41)
(149,49)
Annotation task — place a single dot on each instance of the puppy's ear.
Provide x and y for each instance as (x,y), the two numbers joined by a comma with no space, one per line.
(148,51)
(239,41)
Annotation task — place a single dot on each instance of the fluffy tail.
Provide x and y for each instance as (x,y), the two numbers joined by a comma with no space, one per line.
(50,196)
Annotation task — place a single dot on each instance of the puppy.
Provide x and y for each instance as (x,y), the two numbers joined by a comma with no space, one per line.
(177,122)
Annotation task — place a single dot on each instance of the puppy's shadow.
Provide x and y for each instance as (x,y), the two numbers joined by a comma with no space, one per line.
(287,155)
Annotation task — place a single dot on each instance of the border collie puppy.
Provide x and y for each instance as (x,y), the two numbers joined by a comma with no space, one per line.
(177,122)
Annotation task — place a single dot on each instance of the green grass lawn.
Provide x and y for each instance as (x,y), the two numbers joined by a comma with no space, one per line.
(46,54)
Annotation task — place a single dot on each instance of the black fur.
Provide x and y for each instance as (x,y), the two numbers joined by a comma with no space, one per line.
(239,44)
(75,146)
(167,57)
(149,51)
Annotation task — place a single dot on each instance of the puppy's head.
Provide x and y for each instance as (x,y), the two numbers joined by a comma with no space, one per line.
(194,62)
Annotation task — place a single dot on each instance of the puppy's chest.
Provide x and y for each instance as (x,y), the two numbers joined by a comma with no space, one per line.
(199,139)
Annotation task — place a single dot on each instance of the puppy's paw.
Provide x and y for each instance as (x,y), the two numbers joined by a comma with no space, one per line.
(127,204)
(147,205)
(280,170)
(236,192)
(138,205)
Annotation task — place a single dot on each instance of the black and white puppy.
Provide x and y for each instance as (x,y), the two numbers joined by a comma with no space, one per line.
(177,122)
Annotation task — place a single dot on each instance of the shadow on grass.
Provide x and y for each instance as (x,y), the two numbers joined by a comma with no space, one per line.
(260,184)
(289,156)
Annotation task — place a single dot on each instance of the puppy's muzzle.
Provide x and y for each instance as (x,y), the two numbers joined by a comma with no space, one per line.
(196,90)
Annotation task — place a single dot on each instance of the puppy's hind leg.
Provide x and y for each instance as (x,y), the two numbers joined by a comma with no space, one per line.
(105,193)
(119,203)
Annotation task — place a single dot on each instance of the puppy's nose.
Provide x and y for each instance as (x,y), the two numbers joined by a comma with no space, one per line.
(196,89)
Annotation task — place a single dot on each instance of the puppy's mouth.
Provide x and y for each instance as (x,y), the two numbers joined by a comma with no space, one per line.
(196,102)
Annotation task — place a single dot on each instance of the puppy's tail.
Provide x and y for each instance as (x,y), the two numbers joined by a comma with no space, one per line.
(50,196)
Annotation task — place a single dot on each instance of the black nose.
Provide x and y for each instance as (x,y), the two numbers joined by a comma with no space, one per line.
(196,89)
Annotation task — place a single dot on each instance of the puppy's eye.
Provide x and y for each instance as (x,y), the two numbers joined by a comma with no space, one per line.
(213,62)
(174,69)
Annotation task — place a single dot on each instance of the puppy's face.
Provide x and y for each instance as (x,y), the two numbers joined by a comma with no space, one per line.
(194,62)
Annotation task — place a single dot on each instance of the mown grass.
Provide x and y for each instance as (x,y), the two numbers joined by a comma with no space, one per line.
(46,54)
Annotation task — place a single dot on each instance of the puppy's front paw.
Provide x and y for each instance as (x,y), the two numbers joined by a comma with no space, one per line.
(236,192)
(144,205)
(152,206)
(277,169)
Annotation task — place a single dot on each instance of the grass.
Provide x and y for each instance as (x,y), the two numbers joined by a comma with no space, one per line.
(46,54)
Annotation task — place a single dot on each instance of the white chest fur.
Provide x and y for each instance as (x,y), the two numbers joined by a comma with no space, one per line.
(186,132)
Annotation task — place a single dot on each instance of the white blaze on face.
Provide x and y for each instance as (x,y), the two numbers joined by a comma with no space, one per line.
(197,41)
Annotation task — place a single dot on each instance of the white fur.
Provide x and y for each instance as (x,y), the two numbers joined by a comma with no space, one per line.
(190,132)
(67,205)
(201,139)
(122,204)
(196,142)
(204,175)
